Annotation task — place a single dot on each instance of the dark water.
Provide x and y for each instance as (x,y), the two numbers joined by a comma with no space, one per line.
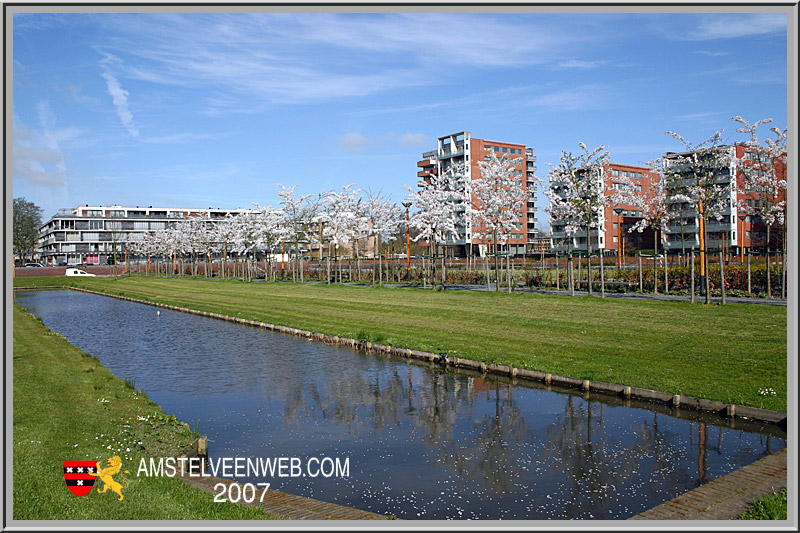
(420,442)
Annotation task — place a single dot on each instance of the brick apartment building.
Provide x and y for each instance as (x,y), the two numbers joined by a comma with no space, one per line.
(463,148)
(613,232)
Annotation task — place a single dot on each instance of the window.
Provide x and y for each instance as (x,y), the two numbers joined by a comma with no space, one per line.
(502,149)
(626,174)
(95,224)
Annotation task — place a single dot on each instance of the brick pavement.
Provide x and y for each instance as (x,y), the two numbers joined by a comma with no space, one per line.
(289,506)
(727,497)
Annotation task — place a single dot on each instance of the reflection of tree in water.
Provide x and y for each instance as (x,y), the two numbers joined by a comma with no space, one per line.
(375,400)
(598,472)
(589,467)
(482,451)
(433,403)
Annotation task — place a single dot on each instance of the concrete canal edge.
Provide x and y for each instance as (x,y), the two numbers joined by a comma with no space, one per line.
(721,499)
(725,498)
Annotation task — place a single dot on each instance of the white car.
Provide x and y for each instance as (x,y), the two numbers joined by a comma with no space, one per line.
(78,272)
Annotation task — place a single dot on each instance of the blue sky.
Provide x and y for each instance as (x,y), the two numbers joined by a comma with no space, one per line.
(214,110)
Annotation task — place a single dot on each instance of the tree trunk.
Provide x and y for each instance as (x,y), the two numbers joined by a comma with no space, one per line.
(655,263)
(722,276)
(433,264)
(769,276)
(509,274)
(641,281)
(705,261)
(692,274)
(602,276)
(589,259)
(444,273)
(486,264)
(571,275)
(496,268)
(558,282)
(375,255)
(783,266)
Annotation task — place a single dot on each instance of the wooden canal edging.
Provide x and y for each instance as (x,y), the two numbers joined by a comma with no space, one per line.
(676,401)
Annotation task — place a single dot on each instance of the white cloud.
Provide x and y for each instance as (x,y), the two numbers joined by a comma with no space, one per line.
(711,54)
(119,95)
(353,142)
(249,61)
(182,138)
(578,63)
(37,157)
(730,26)
(571,99)
(413,139)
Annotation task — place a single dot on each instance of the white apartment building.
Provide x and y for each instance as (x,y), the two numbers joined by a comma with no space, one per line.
(89,234)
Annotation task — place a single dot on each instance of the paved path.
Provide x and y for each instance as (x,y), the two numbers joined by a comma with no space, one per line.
(727,497)
(596,293)
(288,506)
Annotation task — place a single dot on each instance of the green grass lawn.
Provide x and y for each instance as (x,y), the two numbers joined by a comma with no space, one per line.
(67,406)
(768,508)
(724,353)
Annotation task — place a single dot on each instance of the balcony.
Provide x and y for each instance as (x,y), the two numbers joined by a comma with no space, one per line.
(718,226)
(448,154)
(426,163)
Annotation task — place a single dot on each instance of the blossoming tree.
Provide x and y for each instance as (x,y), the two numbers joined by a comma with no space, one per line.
(497,199)
(698,175)
(577,197)
(762,194)
(652,204)
(438,204)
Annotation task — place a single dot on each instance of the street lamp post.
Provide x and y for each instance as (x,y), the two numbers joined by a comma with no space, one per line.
(743,218)
(741,249)
(618,212)
(407,205)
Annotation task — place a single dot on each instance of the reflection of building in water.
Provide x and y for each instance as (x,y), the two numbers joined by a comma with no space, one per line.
(479,385)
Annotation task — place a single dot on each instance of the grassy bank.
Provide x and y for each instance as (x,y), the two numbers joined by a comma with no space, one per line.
(727,353)
(768,508)
(67,406)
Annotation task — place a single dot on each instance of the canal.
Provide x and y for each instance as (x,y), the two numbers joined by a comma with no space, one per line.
(420,442)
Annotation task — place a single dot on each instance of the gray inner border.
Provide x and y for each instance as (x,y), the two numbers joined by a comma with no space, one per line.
(790,9)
